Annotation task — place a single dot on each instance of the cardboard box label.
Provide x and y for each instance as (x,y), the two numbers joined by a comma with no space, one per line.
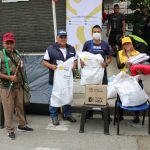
(96,94)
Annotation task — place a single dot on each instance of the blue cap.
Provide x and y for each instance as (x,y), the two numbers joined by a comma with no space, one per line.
(61,33)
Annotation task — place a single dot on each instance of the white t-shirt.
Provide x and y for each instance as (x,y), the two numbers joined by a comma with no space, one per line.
(46,55)
(64,51)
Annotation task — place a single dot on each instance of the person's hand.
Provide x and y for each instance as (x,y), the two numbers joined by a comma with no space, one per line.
(74,66)
(53,67)
(13,78)
(82,63)
(128,64)
(139,76)
(104,65)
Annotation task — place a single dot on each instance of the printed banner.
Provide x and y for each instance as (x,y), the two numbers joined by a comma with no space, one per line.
(81,16)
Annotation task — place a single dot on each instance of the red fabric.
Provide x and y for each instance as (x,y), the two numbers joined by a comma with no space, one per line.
(140,68)
(8,37)
(104,17)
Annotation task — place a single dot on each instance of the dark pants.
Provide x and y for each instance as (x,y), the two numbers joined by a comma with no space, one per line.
(66,111)
(115,39)
(105,82)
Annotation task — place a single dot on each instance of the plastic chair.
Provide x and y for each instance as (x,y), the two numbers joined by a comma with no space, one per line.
(143,107)
(105,114)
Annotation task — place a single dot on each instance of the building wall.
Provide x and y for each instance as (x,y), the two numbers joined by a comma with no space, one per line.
(31,22)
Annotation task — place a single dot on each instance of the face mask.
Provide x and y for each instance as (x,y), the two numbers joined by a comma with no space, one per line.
(96,36)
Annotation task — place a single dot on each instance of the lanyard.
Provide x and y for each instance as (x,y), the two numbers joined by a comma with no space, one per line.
(6,62)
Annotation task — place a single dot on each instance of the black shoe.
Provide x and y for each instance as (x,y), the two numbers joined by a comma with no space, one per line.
(25,129)
(11,135)
(136,119)
(55,121)
(70,118)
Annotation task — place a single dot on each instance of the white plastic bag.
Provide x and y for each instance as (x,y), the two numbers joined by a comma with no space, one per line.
(129,90)
(139,58)
(62,93)
(92,72)
(111,92)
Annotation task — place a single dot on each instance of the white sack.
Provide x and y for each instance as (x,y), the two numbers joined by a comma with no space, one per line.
(92,72)
(111,92)
(62,93)
(129,90)
(133,58)
(139,58)
(138,61)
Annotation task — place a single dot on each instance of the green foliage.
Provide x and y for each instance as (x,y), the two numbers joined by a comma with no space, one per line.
(129,18)
(135,4)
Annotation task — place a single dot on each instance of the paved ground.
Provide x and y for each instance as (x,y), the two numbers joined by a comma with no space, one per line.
(67,136)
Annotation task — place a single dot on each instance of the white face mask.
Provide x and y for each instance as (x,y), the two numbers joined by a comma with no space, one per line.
(96,36)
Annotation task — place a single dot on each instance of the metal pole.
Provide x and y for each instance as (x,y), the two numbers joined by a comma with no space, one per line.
(54,19)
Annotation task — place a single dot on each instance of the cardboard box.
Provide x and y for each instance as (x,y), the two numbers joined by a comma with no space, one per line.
(96,94)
